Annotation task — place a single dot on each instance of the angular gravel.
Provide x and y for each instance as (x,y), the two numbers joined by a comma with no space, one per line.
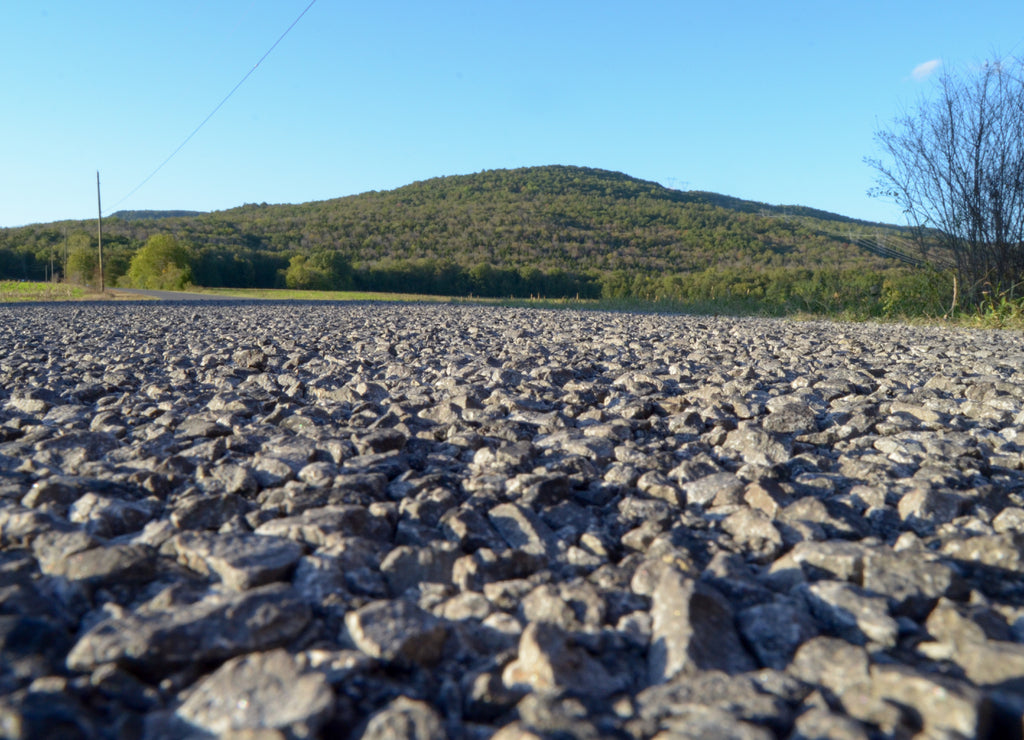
(291,520)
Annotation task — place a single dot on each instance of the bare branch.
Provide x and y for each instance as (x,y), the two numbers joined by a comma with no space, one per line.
(955,167)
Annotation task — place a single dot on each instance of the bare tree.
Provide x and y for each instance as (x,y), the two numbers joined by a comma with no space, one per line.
(955,166)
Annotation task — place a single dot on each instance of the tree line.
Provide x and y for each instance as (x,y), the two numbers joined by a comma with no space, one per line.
(555,232)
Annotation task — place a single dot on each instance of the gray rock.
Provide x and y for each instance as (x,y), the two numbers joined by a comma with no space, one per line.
(269,690)
(692,630)
(548,661)
(486,697)
(56,493)
(756,446)
(242,561)
(831,663)
(704,490)
(523,530)
(923,509)
(473,572)
(106,516)
(944,705)
(54,545)
(774,631)
(110,565)
(790,415)
(913,585)
(404,719)
(218,626)
(694,722)
(321,525)
(755,533)
(994,562)
(738,697)
(852,613)
(818,723)
(972,641)
(734,578)
(471,530)
(405,567)
(397,631)
(207,511)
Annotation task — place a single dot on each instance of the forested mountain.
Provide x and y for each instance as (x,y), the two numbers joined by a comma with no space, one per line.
(591,229)
(152,215)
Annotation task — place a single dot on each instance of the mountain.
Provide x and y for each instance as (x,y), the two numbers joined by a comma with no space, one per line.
(600,226)
(554,217)
(151,215)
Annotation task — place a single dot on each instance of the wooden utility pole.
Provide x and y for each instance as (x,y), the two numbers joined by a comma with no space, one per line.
(99,226)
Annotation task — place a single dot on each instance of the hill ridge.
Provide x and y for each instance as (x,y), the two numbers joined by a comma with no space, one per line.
(589,222)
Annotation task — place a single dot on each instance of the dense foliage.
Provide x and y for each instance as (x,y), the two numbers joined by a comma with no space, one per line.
(162,264)
(541,231)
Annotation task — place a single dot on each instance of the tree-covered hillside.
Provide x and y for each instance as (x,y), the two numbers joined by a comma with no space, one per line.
(538,230)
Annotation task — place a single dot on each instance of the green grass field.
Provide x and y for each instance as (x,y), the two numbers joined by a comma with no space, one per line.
(13,291)
(1008,316)
(317,295)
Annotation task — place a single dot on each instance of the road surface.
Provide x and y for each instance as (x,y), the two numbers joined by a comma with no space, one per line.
(174,295)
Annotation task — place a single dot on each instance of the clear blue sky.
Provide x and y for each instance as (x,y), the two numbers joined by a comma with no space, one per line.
(770,101)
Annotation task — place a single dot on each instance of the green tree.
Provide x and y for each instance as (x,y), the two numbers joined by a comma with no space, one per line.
(322,270)
(82,266)
(162,264)
(303,275)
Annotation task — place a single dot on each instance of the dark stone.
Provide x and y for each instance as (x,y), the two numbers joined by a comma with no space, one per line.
(31,647)
(217,626)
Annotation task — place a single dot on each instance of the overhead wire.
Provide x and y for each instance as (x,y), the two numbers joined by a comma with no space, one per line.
(216,108)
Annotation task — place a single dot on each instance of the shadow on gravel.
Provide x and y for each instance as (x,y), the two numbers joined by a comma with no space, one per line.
(995,582)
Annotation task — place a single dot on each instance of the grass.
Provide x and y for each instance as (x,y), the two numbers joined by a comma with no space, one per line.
(274,294)
(317,295)
(13,291)
(994,315)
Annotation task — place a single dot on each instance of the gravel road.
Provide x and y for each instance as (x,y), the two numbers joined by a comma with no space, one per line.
(288,520)
(172,295)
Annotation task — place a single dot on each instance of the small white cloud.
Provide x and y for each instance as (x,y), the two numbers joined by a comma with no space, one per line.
(923,71)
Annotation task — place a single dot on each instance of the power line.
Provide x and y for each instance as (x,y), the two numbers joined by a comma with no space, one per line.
(217,108)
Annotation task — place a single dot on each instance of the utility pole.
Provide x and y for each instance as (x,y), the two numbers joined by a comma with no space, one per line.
(99,226)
